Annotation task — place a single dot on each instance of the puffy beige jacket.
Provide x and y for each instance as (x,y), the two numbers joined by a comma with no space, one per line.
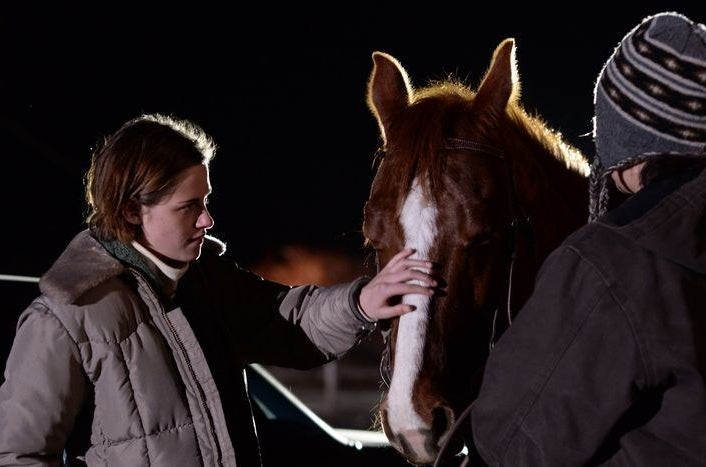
(100,340)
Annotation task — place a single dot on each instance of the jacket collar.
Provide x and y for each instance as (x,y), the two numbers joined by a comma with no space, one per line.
(83,265)
(667,219)
(86,263)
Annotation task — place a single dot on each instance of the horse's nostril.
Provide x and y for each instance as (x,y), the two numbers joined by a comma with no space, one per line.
(442,420)
(447,438)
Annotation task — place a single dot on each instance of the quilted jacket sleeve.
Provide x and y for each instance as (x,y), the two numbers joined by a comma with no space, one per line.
(43,390)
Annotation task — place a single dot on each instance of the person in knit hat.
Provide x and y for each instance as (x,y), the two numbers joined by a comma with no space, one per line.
(606,362)
(650,104)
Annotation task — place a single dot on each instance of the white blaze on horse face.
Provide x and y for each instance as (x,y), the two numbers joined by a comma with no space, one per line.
(418,217)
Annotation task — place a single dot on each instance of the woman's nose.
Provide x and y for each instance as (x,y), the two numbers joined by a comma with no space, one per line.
(204,221)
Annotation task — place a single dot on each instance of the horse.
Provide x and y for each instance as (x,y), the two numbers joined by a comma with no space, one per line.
(484,189)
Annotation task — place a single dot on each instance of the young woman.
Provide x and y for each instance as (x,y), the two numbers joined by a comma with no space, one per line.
(143,328)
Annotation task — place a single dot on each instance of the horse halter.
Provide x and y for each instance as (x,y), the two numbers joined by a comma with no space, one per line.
(519,221)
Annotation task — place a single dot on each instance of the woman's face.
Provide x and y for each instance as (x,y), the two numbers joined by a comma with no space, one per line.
(174,228)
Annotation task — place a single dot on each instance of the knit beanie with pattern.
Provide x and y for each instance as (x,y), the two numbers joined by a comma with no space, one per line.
(649,99)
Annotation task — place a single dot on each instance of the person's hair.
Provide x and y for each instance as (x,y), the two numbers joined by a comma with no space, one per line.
(662,168)
(140,164)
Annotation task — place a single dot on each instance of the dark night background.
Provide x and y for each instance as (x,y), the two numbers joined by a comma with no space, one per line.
(280,88)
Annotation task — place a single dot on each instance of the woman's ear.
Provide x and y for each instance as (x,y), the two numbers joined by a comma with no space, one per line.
(131,212)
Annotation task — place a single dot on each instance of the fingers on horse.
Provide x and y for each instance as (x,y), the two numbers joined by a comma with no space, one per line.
(402,288)
(410,274)
(406,264)
(399,309)
(402,254)
(418,263)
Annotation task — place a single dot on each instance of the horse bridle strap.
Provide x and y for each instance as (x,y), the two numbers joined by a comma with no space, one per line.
(460,144)
(518,216)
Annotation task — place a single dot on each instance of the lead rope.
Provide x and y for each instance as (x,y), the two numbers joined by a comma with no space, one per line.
(509,285)
(513,256)
(491,343)
(385,360)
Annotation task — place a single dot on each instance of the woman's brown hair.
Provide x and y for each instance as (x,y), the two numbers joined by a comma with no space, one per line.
(140,164)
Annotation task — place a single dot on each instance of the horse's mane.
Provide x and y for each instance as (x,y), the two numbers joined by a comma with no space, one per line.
(552,140)
(436,106)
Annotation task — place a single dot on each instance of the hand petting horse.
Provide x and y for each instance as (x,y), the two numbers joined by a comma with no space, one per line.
(486,191)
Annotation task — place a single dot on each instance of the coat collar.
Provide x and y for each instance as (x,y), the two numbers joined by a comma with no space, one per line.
(85,264)
(667,218)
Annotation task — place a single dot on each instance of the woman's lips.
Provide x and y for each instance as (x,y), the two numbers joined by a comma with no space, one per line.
(198,239)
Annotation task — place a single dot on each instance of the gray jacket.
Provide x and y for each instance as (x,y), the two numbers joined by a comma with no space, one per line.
(102,341)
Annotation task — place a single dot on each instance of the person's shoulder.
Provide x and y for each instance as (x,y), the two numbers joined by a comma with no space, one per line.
(87,290)
(584,235)
(592,244)
(106,312)
(83,265)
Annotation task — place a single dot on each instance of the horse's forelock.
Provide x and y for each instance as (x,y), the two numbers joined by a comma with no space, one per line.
(420,134)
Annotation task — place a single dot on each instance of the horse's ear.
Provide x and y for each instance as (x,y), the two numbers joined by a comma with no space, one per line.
(501,83)
(389,90)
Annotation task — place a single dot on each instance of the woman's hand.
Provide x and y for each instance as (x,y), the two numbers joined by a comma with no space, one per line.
(394,280)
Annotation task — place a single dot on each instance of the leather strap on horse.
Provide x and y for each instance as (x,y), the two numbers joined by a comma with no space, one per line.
(519,220)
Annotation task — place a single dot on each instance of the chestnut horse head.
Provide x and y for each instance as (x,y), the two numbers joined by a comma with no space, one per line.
(474,183)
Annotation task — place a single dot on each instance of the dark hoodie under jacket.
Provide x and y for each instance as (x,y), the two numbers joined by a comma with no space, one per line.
(606,362)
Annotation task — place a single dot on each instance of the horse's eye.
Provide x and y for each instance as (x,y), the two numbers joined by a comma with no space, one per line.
(481,239)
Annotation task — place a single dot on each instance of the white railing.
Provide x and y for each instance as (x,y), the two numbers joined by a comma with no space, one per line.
(13,278)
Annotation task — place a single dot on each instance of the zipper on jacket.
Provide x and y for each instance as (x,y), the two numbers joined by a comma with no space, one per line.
(185,355)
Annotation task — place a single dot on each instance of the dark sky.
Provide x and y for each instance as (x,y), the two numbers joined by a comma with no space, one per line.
(282,91)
